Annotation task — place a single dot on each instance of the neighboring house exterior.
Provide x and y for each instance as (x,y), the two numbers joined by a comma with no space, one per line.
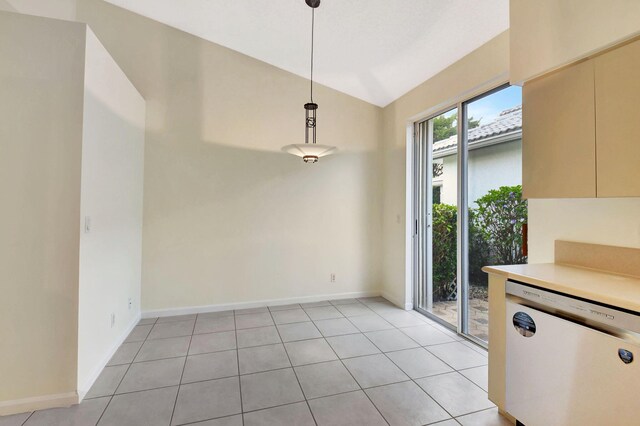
(495,158)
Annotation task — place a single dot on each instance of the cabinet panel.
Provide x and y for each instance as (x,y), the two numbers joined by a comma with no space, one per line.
(559,138)
(617,76)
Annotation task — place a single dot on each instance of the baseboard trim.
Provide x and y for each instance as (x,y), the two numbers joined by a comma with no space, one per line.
(86,386)
(43,402)
(254,304)
(397,302)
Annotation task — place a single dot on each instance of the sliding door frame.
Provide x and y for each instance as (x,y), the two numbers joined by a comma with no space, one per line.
(422,214)
(463,214)
(422,218)
(463,222)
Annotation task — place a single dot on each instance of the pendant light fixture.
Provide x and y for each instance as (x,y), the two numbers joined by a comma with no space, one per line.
(310,151)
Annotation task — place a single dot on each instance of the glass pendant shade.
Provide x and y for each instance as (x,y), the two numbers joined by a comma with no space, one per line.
(310,151)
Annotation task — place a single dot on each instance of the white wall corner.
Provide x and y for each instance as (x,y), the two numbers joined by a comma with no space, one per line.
(86,386)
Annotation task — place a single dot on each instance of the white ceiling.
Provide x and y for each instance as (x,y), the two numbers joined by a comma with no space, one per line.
(375,50)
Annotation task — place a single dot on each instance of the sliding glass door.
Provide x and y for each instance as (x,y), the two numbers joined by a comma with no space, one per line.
(468,207)
(436,217)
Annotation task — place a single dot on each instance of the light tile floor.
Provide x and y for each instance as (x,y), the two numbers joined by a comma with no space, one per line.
(343,362)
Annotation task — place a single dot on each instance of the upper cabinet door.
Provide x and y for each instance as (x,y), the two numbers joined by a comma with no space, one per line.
(558,134)
(618,121)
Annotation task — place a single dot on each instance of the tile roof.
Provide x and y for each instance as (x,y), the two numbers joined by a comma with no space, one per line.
(507,121)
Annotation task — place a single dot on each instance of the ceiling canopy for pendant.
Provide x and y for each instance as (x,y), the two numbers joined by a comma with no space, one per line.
(310,151)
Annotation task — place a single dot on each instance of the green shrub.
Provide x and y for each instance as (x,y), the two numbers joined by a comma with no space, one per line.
(444,250)
(499,217)
(479,252)
(495,238)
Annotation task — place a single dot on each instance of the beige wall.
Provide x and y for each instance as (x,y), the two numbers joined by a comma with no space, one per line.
(228,217)
(610,221)
(481,70)
(71,144)
(548,34)
(111,195)
(58,9)
(490,167)
(41,97)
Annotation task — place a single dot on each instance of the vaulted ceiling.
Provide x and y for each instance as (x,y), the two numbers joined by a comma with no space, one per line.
(375,50)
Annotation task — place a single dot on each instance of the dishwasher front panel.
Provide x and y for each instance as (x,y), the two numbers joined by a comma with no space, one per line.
(562,373)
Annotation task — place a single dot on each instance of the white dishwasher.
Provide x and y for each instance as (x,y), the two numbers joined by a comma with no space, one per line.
(570,361)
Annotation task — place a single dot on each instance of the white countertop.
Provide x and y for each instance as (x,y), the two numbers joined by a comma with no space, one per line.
(601,286)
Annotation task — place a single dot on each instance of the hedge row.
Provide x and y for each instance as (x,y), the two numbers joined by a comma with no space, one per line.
(495,238)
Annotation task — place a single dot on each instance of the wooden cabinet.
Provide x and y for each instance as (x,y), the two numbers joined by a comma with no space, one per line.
(581,129)
(558,134)
(617,77)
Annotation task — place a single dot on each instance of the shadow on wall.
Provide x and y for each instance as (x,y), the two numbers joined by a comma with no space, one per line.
(231,224)
(111,194)
(228,217)
(56,9)
(5,5)
(206,91)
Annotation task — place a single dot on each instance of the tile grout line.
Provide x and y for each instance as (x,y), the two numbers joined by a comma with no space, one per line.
(475,412)
(440,374)
(278,369)
(416,383)
(175,403)
(316,398)
(145,390)
(353,377)
(295,373)
(281,405)
(261,326)
(124,375)
(457,370)
(394,327)
(235,332)
(289,403)
(29,416)
(312,322)
(200,422)
(287,367)
(409,377)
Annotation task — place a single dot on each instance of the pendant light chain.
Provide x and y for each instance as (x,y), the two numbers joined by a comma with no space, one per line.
(313,15)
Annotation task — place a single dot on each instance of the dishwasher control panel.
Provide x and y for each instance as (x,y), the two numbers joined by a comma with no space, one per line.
(574,307)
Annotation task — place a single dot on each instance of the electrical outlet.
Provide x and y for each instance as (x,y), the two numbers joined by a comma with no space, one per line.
(332,277)
(130,303)
(113,319)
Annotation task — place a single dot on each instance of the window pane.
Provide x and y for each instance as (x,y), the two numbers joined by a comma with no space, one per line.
(444,172)
(497,212)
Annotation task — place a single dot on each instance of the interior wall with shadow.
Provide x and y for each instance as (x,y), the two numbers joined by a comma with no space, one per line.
(227,216)
(111,197)
(41,106)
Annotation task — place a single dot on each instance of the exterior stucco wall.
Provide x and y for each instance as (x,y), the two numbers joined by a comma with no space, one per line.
(489,168)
